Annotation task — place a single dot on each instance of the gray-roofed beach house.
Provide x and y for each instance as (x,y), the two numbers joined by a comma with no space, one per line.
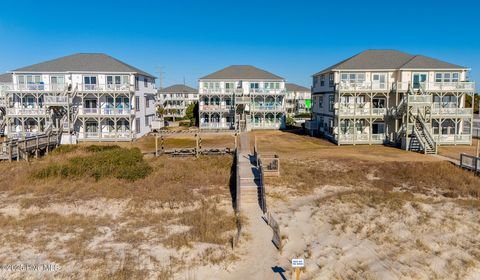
(89,96)
(388,96)
(241,97)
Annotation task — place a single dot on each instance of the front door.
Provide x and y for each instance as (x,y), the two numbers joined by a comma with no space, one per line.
(419,80)
(379,81)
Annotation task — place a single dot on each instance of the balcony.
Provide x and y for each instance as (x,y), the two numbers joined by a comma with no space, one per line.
(106,111)
(363,87)
(420,100)
(438,110)
(346,111)
(437,87)
(361,138)
(264,91)
(267,107)
(216,108)
(452,139)
(221,91)
(56,100)
(266,125)
(35,87)
(125,88)
(216,125)
(26,111)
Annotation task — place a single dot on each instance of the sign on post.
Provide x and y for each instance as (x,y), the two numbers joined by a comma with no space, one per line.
(297,264)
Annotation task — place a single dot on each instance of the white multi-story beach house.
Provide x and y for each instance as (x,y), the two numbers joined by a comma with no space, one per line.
(242,97)
(89,96)
(297,99)
(5,81)
(176,99)
(388,96)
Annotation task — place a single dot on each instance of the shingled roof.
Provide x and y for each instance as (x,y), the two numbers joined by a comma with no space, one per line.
(178,89)
(84,62)
(242,72)
(295,87)
(389,59)
(6,78)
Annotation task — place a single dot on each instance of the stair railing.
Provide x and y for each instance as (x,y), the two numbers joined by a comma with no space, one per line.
(426,131)
(419,139)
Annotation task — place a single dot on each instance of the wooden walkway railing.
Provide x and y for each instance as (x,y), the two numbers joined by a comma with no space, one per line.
(471,163)
(24,148)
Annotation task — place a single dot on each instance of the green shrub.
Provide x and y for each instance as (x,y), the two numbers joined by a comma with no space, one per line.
(64,149)
(105,162)
(290,121)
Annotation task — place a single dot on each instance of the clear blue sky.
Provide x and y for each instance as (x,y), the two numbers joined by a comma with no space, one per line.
(190,39)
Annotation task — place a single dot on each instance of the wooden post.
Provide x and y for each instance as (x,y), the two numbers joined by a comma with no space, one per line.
(18,152)
(196,145)
(297,273)
(36,148)
(156,145)
(161,138)
(25,151)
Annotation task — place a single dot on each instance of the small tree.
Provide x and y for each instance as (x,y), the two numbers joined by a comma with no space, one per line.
(160,111)
(191,113)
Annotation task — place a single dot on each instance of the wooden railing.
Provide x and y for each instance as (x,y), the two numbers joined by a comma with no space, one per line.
(471,163)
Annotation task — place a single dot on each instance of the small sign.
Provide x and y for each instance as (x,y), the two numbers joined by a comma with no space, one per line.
(298,262)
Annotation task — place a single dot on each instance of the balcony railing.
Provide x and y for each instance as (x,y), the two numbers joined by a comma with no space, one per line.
(216,125)
(26,111)
(267,107)
(438,110)
(216,107)
(361,137)
(56,100)
(452,138)
(35,87)
(420,99)
(404,86)
(106,111)
(107,87)
(267,91)
(266,124)
(348,111)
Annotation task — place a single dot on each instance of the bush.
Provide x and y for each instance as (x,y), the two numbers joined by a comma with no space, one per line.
(64,149)
(106,161)
(290,121)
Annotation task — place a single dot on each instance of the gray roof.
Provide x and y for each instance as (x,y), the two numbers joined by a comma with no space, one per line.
(295,87)
(178,89)
(389,59)
(6,78)
(242,72)
(84,62)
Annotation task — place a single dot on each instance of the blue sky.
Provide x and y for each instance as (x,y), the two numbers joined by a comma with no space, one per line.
(189,39)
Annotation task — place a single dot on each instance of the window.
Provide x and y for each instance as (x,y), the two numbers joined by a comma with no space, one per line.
(137,125)
(378,102)
(320,101)
(378,128)
(447,77)
(271,85)
(137,103)
(145,82)
(254,85)
(90,82)
(353,77)
(322,80)
(147,102)
(136,83)
(57,82)
(330,102)
(331,79)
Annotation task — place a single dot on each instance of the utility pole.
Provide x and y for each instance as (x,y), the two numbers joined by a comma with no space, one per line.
(160,75)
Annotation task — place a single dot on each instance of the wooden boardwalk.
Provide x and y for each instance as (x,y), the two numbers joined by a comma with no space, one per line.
(16,149)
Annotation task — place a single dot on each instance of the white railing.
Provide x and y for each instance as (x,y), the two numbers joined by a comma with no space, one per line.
(420,99)
(20,135)
(360,137)
(452,86)
(215,107)
(107,87)
(349,111)
(35,87)
(243,99)
(267,107)
(26,111)
(53,100)
(216,125)
(106,111)
(267,91)
(266,124)
(439,110)
(452,138)
(378,137)
(363,86)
